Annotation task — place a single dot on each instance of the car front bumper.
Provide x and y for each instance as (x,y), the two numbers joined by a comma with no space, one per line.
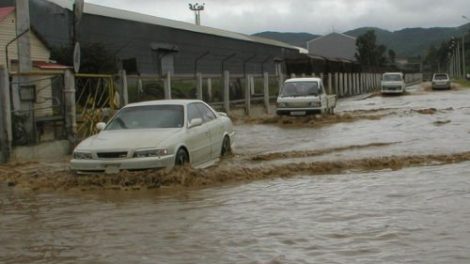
(116,165)
(394,90)
(441,86)
(299,111)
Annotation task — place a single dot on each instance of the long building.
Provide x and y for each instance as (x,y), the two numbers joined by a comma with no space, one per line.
(146,44)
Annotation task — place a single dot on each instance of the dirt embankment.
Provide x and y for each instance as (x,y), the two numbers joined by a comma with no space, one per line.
(312,153)
(188,177)
(307,121)
(327,120)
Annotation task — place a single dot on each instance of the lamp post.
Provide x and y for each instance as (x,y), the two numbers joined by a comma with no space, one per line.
(197,9)
(464,70)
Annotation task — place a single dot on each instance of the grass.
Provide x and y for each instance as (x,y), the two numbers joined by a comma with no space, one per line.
(464,83)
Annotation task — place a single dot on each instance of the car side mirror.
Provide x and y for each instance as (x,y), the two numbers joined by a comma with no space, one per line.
(195,122)
(100,126)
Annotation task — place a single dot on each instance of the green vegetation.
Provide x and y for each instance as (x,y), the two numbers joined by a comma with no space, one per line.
(95,58)
(408,42)
(371,55)
(464,83)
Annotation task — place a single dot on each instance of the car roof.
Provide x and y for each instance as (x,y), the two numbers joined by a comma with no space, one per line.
(165,102)
(310,79)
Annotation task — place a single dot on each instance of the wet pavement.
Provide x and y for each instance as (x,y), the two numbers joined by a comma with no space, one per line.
(385,181)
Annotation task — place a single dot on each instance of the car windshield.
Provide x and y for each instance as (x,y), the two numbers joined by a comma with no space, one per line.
(300,89)
(149,116)
(392,77)
(441,77)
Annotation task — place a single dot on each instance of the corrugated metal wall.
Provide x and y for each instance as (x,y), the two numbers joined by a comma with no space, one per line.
(128,39)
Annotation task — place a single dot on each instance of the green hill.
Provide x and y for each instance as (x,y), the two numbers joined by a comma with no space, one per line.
(408,42)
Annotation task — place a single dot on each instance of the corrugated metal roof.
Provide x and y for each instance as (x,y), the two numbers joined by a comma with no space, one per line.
(6,11)
(334,47)
(148,19)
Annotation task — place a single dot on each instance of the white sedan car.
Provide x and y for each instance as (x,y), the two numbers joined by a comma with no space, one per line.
(156,134)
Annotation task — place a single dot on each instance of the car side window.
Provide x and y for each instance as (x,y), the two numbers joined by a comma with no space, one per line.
(207,114)
(193,112)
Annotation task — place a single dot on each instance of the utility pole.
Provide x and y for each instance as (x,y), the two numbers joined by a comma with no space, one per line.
(463,51)
(24,65)
(196,8)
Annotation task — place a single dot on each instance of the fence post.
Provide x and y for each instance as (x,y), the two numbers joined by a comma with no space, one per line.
(341,84)
(167,85)
(356,83)
(266,92)
(281,81)
(140,89)
(123,88)
(70,107)
(209,89)
(5,116)
(248,95)
(226,91)
(199,86)
(330,84)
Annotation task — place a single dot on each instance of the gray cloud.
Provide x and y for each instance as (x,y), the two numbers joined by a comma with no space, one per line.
(314,16)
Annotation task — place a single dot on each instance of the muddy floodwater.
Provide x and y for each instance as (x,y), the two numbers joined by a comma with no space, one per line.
(386,180)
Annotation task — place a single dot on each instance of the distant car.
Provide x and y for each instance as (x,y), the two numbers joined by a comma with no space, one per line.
(393,83)
(156,134)
(301,96)
(441,81)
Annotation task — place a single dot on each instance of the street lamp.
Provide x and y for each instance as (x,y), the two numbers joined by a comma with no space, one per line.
(463,50)
(197,9)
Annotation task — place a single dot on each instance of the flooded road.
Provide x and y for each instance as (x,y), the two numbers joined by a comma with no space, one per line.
(390,184)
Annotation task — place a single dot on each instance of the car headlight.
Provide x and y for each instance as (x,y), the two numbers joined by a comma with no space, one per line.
(281,104)
(82,155)
(150,153)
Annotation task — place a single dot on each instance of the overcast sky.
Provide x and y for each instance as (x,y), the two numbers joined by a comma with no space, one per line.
(312,16)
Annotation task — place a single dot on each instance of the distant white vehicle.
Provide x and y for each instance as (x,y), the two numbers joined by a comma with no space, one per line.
(156,134)
(393,83)
(302,96)
(441,81)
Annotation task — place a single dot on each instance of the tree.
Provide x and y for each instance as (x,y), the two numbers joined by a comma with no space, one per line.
(392,56)
(369,54)
(95,58)
(438,58)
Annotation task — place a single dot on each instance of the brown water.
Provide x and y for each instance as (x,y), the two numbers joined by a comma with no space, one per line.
(393,189)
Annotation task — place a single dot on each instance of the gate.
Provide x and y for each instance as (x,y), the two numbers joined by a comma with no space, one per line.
(37,101)
(96,101)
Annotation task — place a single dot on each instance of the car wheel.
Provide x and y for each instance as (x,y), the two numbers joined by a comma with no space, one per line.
(181,158)
(226,147)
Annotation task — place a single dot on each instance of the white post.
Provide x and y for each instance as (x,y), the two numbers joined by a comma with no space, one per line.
(226,91)
(123,88)
(281,81)
(199,86)
(341,84)
(248,95)
(266,92)
(70,107)
(6,137)
(209,89)
(167,85)
(330,84)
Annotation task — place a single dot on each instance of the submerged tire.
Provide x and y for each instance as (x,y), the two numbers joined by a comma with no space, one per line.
(182,157)
(226,147)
